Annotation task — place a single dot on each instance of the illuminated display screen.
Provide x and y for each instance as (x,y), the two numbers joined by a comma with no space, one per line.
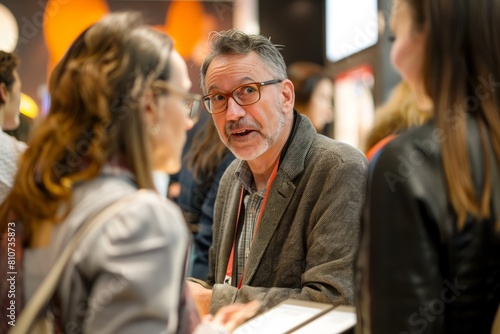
(351,26)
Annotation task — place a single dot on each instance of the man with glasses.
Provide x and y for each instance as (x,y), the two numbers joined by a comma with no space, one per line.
(286,220)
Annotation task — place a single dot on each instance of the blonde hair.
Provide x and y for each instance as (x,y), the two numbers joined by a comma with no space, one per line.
(398,114)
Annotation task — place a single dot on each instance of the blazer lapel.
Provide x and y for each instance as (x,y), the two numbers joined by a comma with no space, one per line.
(282,191)
(280,195)
(227,231)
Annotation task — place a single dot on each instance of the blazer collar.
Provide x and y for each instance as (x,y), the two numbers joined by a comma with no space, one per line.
(282,190)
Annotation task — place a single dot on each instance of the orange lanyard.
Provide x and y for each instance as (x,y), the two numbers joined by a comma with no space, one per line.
(229,270)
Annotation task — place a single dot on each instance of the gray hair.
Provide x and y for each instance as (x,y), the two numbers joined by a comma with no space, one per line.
(236,42)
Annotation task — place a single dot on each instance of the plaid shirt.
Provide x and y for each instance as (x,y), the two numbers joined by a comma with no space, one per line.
(253,203)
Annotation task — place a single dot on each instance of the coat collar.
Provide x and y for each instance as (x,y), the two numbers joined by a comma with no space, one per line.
(293,162)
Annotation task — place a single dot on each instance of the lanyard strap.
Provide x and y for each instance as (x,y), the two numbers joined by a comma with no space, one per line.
(230,265)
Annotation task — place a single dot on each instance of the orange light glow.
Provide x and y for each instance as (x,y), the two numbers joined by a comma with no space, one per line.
(184,23)
(63,22)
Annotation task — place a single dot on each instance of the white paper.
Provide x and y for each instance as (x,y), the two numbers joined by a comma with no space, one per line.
(333,322)
(282,318)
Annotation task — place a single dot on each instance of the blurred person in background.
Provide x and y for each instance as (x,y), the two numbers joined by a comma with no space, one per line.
(428,260)
(120,107)
(22,132)
(206,160)
(313,92)
(399,113)
(10,99)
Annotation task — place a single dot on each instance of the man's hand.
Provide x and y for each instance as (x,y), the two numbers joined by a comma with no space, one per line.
(232,316)
(202,297)
(228,318)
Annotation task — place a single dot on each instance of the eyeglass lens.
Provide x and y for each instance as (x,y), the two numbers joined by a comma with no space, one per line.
(193,107)
(243,95)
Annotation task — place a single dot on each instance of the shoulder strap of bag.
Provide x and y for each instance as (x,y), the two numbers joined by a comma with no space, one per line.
(44,293)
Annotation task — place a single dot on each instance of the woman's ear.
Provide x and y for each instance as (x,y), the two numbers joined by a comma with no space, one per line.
(288,96)
(150,108)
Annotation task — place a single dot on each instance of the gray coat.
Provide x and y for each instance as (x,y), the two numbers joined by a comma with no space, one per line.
(124,277)
(309,232)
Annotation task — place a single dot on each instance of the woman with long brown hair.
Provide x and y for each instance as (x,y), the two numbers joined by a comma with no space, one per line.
(429,260)
(120,107)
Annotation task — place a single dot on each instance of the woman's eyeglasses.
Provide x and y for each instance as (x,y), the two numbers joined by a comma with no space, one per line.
(192,101)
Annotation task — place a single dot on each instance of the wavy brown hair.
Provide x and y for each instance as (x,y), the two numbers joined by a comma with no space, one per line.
(461,73)
(206,152)
(95,113)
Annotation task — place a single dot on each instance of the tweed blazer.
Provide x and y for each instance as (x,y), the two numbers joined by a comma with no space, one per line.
(308,235)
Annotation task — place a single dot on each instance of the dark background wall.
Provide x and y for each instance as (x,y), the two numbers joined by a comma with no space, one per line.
(300,26)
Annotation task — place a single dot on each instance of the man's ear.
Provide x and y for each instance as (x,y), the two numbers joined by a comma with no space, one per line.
(3,93)
(288,96)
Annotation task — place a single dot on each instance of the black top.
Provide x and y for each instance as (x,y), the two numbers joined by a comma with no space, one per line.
(416,272)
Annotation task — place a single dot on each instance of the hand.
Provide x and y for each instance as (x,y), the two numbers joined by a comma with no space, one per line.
(232,316)
(202,297)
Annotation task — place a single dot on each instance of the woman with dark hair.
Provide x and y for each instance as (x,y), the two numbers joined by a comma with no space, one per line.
(120,107)
(206,161)
(313,88)
(428,261)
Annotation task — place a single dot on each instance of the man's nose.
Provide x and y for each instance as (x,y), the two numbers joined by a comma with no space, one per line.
(234,111)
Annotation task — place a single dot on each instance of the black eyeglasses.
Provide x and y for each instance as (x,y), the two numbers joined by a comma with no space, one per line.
(244,95)
(192,101)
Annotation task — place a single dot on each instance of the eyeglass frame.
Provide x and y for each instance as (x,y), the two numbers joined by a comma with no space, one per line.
(259,84)
(193,112)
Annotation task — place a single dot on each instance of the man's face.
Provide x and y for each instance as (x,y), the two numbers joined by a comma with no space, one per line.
(252,130)
(12,104)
